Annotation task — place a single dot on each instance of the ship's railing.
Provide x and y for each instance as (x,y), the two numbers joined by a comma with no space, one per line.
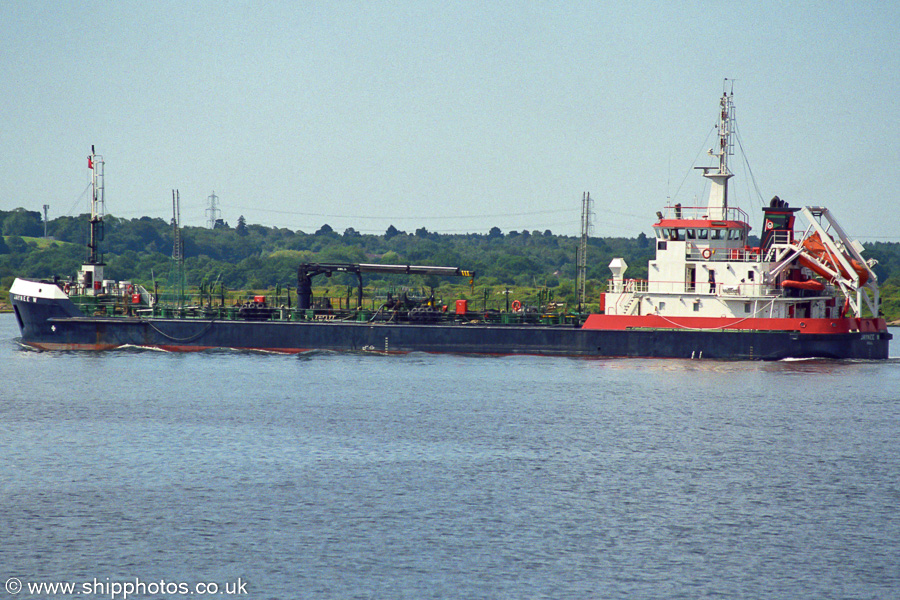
(704,213)
(781,237)
(107,289)
(628,286)
(543,315)
(118,300)
(695,254)
(747,290)
(743,289)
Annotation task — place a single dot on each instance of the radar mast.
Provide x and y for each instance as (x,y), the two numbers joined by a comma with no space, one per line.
(718,191)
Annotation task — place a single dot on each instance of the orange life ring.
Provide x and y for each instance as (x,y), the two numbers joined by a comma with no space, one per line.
(707,252)
(516,306)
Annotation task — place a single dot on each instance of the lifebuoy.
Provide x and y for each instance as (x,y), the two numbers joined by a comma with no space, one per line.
(516,306)
(707,252)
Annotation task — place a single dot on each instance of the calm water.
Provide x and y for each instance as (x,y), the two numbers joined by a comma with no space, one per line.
(345,476)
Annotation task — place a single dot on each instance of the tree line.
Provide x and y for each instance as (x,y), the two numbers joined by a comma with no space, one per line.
(259,257)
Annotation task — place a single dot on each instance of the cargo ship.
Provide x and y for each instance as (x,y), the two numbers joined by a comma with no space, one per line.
(805,291)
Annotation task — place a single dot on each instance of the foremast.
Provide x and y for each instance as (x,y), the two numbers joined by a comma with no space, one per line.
(90,278)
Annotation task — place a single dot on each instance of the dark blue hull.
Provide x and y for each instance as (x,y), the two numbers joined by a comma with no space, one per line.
(57,325)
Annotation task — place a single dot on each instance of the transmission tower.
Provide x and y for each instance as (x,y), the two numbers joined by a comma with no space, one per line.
(586,226)
(213,214)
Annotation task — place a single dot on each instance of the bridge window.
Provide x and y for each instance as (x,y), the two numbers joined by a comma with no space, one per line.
(702,234)
(692,234)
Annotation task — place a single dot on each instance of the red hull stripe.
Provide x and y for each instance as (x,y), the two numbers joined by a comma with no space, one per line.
(65,347)
(820,326)
(168,348)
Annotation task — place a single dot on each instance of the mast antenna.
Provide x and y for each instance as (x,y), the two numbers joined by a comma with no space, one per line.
(725,84)
(586,227)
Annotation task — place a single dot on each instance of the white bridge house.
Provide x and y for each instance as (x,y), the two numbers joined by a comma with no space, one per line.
(704,266)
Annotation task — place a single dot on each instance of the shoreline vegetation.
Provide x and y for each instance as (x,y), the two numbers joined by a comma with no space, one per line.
(527,265)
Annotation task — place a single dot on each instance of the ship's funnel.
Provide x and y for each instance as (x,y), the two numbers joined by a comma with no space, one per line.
(778,223)
(618,266)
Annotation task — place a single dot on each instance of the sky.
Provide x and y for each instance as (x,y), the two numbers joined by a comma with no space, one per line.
(453,116)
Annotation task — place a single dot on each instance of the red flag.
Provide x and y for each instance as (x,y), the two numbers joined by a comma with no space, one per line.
(90,163)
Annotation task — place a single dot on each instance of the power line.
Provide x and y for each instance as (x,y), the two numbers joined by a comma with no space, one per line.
(407,218)
(395,217)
